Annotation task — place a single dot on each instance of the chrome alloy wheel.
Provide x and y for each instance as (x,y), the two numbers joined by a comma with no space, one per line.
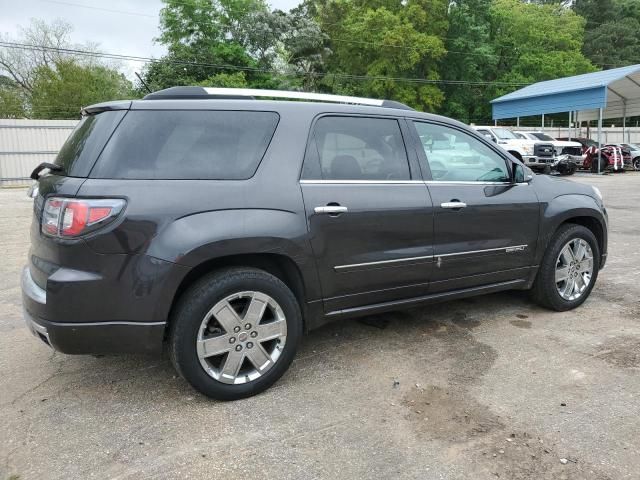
(574,269)
(241,337)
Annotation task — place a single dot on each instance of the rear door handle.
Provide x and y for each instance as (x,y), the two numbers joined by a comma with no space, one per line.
(453,204)
(331,209)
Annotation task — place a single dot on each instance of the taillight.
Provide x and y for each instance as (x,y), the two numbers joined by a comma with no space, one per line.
(70,217)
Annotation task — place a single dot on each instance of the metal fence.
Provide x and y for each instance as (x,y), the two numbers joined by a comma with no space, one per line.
(26,143)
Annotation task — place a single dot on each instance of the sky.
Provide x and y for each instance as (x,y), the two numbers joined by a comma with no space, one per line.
(125,27)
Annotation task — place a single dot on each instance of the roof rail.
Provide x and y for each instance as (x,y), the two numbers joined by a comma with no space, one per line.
(252,93)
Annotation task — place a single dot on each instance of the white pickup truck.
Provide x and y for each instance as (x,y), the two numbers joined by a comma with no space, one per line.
(571,150)
(537,155)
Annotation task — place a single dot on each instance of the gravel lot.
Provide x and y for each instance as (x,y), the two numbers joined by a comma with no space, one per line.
(490,387)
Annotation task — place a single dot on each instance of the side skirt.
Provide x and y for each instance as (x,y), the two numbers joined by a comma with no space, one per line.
(425,299)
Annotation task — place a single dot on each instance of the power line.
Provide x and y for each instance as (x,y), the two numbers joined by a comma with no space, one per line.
(71,4)
(113,56)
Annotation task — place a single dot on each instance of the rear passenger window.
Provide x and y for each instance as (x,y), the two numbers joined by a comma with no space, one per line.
(211,145)
(356,148)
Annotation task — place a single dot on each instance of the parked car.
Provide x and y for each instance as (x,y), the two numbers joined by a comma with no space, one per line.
(569,150)
(613,158)
(539,156)
(634,152)
(585,142)
(223,227)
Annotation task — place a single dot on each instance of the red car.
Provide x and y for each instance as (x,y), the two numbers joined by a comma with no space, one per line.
(613,158)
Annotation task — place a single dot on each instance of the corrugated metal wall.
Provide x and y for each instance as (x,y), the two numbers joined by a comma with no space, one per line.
(26,143)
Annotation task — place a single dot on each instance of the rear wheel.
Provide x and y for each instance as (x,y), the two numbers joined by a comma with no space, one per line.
(569,269)
(234,333)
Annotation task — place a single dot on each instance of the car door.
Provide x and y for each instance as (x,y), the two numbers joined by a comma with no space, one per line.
(485,226)
(369,214)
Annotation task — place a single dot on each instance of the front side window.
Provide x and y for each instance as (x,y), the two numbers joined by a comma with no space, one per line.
(456,156)
(360,148)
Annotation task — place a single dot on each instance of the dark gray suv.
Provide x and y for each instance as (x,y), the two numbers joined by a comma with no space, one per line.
(224,227)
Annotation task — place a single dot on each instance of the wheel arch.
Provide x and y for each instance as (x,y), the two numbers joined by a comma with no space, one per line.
(278,265)
(516,154)
(577,209)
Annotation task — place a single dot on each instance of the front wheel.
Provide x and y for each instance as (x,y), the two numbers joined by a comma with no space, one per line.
(568,270)
(235,332)
(636,163)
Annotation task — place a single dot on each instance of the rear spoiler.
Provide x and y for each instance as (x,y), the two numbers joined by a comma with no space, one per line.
(106,107)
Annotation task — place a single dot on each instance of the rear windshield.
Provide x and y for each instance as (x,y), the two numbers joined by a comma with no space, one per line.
(79,152)
(212,145)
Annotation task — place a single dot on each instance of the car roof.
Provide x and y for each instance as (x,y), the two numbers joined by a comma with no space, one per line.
(303,108)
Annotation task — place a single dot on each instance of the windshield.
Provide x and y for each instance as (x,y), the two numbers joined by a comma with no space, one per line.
(631,146)
(504,134)
(543,136)
(520,135)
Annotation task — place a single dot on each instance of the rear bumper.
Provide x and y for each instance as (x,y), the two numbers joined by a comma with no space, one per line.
(87,338)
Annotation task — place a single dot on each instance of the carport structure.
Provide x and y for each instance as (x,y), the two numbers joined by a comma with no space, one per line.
(593,96)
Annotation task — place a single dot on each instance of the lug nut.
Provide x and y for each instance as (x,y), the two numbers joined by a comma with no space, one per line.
(254,334)
(249,345)
(238,348)
(232,340)
(236,329)
(248,326)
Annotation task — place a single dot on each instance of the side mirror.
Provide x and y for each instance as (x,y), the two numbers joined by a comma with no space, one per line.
(521,174)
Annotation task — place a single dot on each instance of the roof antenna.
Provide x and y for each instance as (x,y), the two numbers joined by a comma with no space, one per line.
(143,82)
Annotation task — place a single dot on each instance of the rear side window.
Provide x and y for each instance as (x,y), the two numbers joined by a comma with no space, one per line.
(79,152)
(360,148)
(210,145)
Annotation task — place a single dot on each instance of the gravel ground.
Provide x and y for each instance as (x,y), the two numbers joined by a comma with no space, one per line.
(484,388)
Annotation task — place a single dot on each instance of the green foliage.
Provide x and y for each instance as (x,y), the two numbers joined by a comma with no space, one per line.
(385,38)
(61,90)
(508,42)
(613,31)
(12,99)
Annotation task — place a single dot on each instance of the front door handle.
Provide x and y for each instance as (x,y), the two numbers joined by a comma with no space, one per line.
(331,209)
(454,204)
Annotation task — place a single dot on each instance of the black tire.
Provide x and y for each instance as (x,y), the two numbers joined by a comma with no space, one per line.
(544,291)
(192,308)
(636,163)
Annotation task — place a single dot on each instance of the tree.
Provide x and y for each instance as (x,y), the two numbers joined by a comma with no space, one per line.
(373,44)
(12,102)
(60,90)
(507,42)
(612,38)
(215,41)
(20,64)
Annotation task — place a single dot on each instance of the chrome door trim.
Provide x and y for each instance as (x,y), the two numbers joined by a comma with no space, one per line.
(405,182)
(381,262)
(361,182)
(447,182)
(511,249)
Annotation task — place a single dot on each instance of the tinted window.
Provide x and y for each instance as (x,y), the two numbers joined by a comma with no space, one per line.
(356,148)
(225,145)
(456,156)
(79,152)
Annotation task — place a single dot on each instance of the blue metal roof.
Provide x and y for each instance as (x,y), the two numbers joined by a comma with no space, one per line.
(581,92)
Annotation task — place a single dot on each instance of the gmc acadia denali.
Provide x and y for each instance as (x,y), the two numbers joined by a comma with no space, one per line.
(223,227)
